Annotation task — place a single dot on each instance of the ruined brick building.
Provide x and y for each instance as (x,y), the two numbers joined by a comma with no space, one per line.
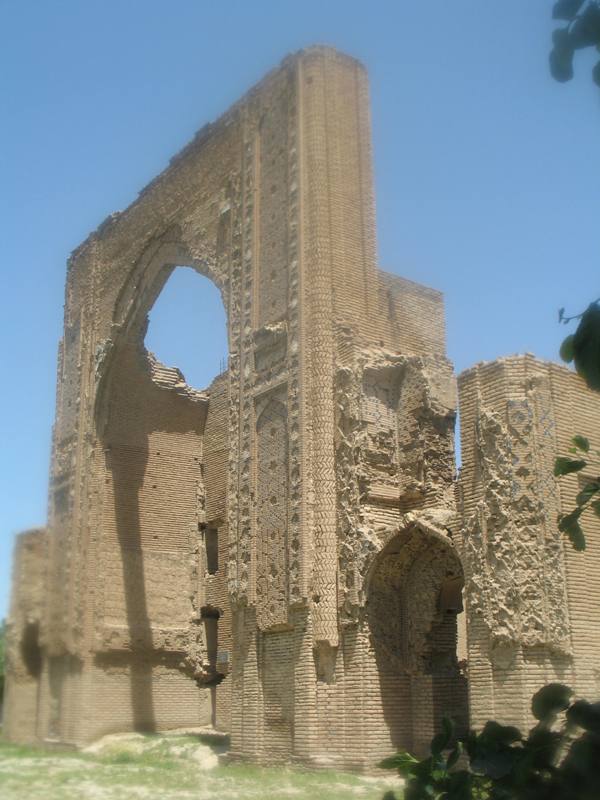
(285,554)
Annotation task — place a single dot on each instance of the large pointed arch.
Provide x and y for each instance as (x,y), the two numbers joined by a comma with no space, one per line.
(153,430)
(414,598)
(138,295)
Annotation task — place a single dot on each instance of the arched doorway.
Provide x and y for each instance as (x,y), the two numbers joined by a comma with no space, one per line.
(414,601)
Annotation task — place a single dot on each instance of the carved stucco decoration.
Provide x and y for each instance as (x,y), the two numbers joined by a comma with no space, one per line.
(394,446)
(512,546)
(272,512)
(405,615)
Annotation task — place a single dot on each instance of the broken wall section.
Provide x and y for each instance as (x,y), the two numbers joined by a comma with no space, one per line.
(395,469)
(412,316)
(395,417)
(24,655)
(532,602)
(213,599)
(146,573)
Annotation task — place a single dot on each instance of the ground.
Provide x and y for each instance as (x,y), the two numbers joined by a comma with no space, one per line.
(180,767)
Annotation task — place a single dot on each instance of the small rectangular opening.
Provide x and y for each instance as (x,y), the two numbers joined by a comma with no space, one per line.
(210,618)
(211,631)
(211,545)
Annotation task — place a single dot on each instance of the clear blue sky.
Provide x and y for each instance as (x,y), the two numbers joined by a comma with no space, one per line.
(487,172)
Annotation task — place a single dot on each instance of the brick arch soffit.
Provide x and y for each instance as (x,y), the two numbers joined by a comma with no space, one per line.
(412,582)
(415,534)
(137,296)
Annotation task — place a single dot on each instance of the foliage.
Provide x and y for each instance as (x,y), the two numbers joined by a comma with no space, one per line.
(557,760)
(588,498)
(582,30)
(583,347)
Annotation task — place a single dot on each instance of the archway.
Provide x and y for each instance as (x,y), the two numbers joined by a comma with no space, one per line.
(414,599)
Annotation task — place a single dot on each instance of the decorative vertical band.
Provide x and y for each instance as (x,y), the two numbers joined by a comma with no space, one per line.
(318,299)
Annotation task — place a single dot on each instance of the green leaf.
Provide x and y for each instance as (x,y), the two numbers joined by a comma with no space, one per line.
(442,740)
(461,785)
(580,768)
(497,764)
(438,774)
(586,345)
(567,353)
(588,491)
(448,727)
(471,744)
(561,64)
(438,744)
(585,715)
(564,465)
(566,9)
(495,735)
(454,755)
(585,30)
(596,507)
(549,700)
(423,769)
(403,762)
(582,443)
(542,746)
(560,39)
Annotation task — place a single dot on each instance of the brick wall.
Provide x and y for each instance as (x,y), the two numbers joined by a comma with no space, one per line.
(532,601)
(24,632)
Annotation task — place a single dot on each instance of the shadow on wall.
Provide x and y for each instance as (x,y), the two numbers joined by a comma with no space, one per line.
(153,446)
(31,652)
(415,597)
(128,479)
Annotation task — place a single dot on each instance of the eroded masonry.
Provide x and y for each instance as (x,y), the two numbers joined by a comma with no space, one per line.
(287,555)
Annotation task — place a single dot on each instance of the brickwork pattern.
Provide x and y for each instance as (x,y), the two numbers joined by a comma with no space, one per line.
(24,634)
(523,580)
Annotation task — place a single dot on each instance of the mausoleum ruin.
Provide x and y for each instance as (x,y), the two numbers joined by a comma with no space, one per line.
(288,555)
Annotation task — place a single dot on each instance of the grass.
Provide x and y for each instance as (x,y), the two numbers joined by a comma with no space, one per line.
(166,768)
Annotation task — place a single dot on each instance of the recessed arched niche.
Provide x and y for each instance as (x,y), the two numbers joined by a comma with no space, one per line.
(414,611)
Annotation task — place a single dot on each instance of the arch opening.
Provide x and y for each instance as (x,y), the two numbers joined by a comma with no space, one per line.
(187,327)
(414,609)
